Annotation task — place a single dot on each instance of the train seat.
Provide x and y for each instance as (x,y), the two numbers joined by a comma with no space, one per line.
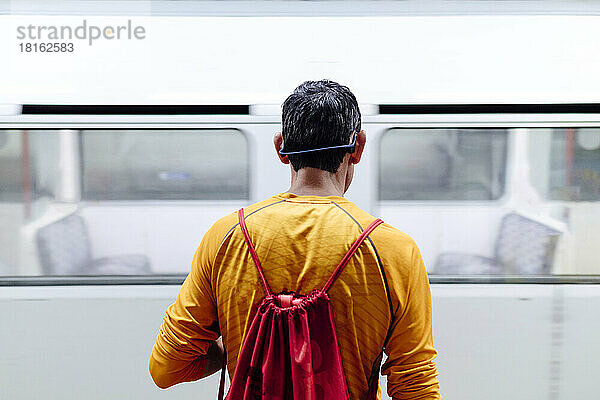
(451,263)
(64,248)
(523,247)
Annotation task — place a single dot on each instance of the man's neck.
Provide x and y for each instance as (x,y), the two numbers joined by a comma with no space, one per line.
(316,182)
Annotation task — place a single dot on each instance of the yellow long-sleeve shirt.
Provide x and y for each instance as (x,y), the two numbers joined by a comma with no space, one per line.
(383,291)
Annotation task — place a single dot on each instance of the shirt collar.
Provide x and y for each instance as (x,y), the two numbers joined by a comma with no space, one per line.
(294,198)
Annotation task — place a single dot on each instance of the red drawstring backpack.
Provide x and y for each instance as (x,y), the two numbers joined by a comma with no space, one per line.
(291,350)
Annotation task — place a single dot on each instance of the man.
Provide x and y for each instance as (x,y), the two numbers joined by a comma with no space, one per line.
(381,301)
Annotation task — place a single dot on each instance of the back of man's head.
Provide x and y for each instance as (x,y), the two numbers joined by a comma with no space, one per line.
(319,114)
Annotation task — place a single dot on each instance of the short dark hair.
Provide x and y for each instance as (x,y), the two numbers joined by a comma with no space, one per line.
(319,114)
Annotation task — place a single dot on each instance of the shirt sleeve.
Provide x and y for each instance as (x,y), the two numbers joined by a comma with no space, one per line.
(190,324)
(411,372)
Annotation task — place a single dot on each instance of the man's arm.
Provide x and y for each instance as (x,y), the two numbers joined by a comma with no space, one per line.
(411,372)
(214,357)
(187,348)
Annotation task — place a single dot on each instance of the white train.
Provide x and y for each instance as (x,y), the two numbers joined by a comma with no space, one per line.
(133,195)
(494,174)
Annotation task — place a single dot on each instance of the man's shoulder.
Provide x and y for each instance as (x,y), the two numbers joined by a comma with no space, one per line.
(389,235)
(227,223)
(395,248)
(395,238)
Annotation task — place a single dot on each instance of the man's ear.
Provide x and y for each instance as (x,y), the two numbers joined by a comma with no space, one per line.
(278,142)
(361,140)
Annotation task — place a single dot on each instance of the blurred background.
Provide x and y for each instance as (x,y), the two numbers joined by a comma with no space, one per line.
(118,153)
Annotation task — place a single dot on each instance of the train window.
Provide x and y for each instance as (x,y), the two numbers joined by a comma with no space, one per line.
(547,223)
(28,164)
(45,174)
(442,164)
(165,165)
(574,164)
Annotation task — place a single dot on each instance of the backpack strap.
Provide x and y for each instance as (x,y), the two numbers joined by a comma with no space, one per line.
(222,380)
(253,252)
(350,253)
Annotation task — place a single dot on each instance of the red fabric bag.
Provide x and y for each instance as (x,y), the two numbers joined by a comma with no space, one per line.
(291,350)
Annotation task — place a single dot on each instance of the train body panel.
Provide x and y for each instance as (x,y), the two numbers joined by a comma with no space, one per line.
(494,341)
